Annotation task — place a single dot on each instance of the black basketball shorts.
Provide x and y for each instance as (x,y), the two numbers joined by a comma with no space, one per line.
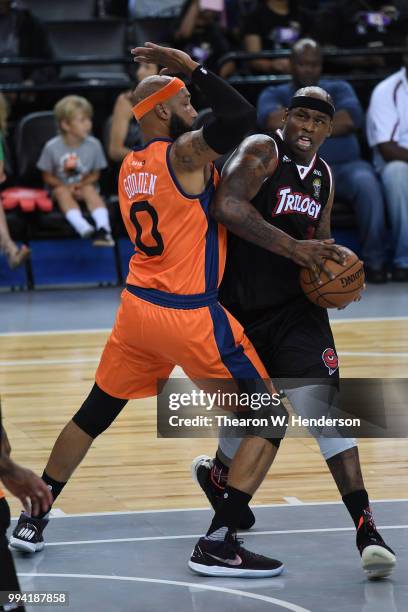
(293,341)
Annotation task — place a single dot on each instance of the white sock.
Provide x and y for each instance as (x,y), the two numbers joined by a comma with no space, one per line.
(101,217)
(79,223)
(218,534)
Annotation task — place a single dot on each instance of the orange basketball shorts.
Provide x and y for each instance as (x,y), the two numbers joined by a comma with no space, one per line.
(148,340)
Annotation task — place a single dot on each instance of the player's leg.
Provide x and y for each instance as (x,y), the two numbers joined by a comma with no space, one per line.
(69,206)
(124,371)
(96,414)
(340,453)
(100,215)
(342,457)
(316,350)
(226,353)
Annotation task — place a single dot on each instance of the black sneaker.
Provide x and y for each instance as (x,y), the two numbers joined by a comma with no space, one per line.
(228,558)
(102,238)
(27,535)
(377,559)
(201,471)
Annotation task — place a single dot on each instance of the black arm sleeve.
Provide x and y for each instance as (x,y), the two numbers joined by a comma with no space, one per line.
(234,116)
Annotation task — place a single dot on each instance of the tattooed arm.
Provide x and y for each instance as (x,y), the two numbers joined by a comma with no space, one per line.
(253,162)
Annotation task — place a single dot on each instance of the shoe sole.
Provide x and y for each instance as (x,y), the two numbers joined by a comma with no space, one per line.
(377,562)
(103,244)
(27,547)
(226,572)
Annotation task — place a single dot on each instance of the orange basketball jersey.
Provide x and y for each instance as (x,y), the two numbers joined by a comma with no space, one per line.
(179,249)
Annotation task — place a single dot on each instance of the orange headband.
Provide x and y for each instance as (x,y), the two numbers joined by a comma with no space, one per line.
(166,92)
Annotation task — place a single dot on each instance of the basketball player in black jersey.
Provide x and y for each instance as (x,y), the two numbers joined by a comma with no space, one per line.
(281,182)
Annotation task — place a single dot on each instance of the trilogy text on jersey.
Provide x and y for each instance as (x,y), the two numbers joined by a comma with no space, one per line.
(294,202)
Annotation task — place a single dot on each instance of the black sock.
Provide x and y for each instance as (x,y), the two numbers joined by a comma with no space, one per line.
(56,488)
(230,509)
(219,473)
(356,502)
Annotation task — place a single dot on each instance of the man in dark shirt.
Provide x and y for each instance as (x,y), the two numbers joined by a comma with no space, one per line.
(273,25)
(356,180)
(22,35)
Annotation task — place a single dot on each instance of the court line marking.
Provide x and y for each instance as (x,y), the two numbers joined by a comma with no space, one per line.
(196,536)
(107,330)
(57,512)
(369,319)
(47,362)
(56,332)
(79,360)
(254,507)
(293,501)
(370,354)
(196,585)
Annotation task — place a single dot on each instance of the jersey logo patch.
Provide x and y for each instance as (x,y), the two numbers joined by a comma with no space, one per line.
(317,184)
(330,360)
(289,203)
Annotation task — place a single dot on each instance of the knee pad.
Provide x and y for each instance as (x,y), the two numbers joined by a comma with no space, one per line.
(229,446)
(329,447)
(98,412)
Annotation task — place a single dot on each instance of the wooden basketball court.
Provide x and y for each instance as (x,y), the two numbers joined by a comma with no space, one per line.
(44,378)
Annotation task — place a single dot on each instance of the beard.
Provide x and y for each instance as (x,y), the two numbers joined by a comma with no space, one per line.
(178,126)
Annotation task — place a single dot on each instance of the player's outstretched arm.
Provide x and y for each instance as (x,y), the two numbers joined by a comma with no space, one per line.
(233,117)
(253,162)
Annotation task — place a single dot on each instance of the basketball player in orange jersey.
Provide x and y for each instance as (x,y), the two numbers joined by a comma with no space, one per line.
(169,314)
(282,182)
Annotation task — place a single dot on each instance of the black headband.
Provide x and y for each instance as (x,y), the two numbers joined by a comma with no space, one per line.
(312,103)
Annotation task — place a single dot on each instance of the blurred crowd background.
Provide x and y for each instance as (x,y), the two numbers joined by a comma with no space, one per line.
(66,77)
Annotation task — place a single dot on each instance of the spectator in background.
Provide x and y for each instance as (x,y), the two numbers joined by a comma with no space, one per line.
(387,132)
(71,165)
(15,255)
(356,180)
(22,35)
(273,25)
(125,132)
(141,9)
(200,34)
(362,23)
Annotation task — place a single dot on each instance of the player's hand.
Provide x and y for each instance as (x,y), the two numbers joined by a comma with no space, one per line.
(26,486)
(174,60)
(313,253)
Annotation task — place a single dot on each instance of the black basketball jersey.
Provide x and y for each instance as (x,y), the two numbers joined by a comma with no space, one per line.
(293,200)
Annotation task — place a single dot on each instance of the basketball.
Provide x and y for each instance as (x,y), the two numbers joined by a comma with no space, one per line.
(346,285)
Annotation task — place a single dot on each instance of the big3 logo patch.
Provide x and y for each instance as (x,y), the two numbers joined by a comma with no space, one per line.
(330,360)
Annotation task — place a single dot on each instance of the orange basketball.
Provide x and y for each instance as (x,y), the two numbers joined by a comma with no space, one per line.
(346,285)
